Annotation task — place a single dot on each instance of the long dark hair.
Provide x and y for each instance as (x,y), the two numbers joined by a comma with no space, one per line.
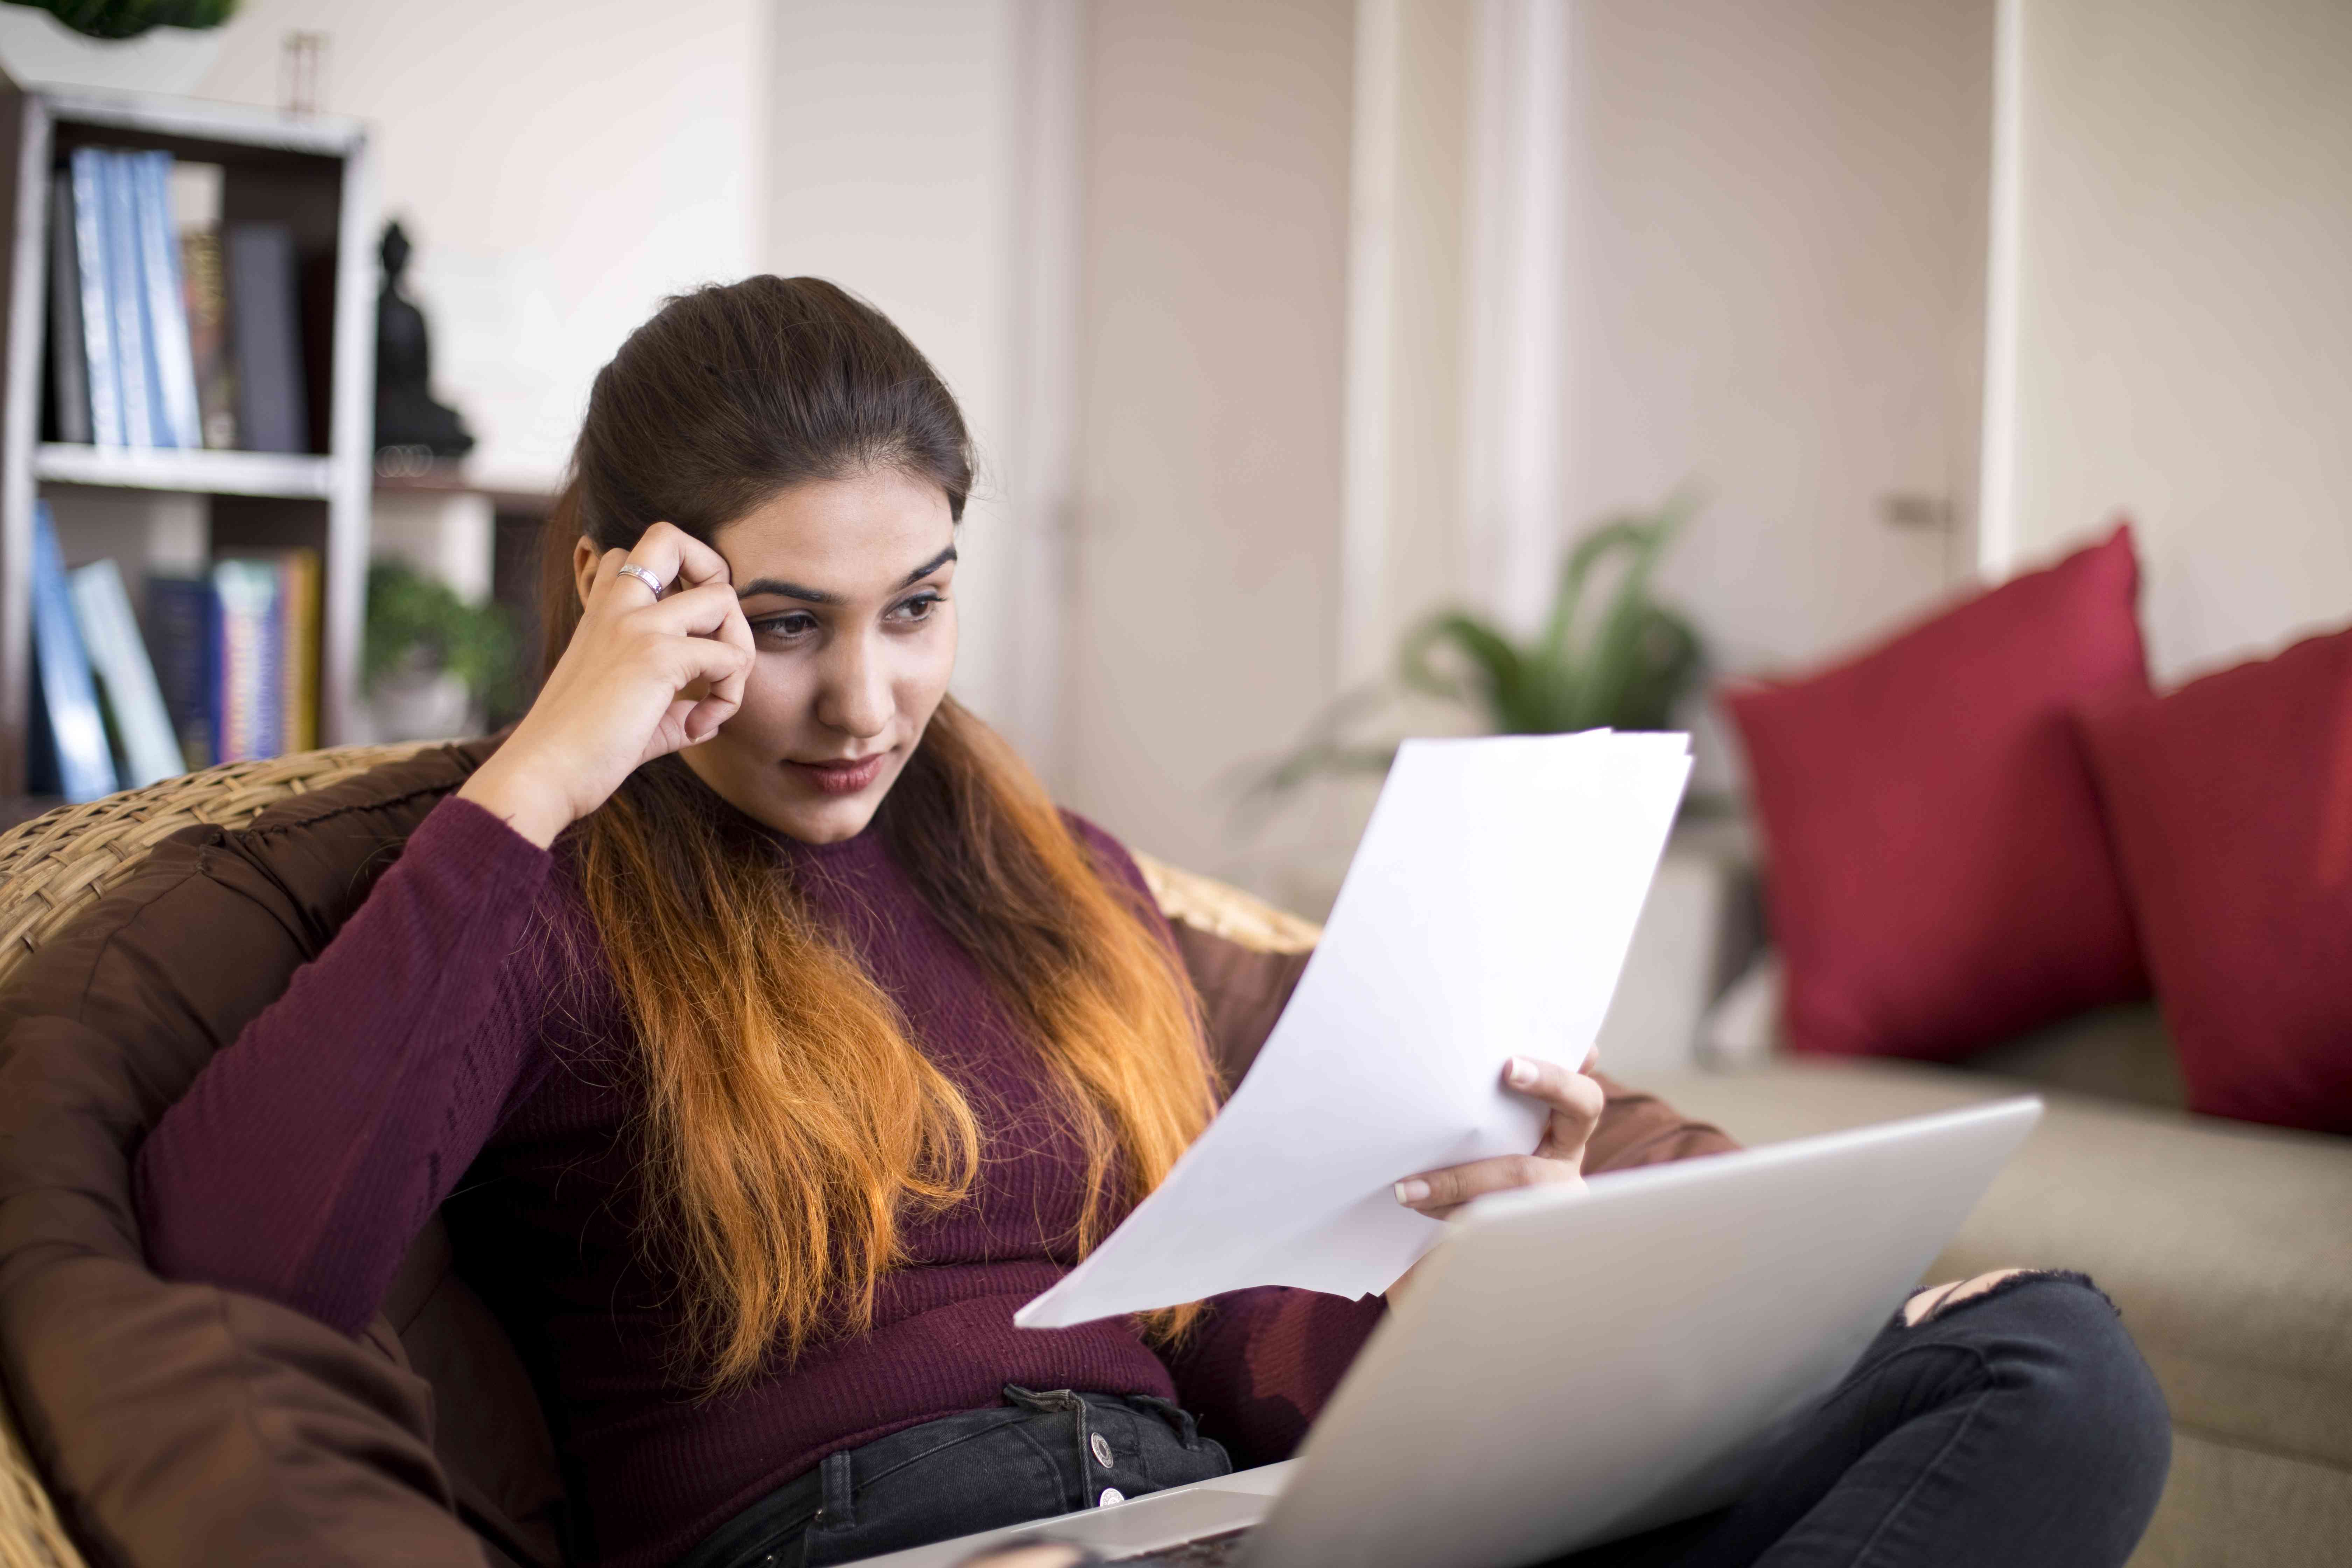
(792,1123)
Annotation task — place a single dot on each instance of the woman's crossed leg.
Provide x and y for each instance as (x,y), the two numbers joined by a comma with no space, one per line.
(2006,1420)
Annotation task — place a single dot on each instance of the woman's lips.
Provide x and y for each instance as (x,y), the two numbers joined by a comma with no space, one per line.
(843,777)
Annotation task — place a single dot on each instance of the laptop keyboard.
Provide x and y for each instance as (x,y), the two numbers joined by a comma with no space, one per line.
(1207,1551)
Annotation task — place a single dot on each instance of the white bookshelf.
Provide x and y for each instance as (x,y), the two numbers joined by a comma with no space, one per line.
(190,472)
(309,171)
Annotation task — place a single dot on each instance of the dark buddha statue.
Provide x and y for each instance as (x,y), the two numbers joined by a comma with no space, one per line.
(405,413)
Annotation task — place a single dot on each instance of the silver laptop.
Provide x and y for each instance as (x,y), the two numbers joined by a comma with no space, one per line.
(1571,1368)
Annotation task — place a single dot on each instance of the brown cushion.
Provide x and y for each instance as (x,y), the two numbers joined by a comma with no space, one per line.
(180,1422)
(1241,992)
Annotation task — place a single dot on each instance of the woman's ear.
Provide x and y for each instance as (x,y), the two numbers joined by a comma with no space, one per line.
(585,557)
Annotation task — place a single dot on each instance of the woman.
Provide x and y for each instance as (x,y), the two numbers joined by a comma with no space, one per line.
(786,1039)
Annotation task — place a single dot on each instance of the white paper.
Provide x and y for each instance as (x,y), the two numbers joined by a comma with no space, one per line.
(1485,915)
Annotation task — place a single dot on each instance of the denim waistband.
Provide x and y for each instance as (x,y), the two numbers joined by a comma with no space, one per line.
(1037,1454)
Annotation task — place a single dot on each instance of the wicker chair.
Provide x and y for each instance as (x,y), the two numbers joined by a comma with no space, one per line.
(56,865)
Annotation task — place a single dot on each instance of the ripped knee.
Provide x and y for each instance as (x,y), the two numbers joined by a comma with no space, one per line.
(1933,1301)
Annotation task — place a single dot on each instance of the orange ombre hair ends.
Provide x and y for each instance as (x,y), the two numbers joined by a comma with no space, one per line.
(792,1124)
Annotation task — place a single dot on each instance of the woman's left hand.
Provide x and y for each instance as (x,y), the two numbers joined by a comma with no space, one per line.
(1574,1098)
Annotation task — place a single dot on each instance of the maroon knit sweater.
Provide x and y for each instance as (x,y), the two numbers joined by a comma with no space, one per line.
(461,1036)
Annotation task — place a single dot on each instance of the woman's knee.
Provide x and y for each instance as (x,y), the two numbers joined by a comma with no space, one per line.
(2059,1345)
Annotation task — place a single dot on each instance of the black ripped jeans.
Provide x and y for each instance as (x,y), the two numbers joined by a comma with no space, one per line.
(2016,1430)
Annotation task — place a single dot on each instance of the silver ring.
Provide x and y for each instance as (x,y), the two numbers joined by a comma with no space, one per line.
(643,574)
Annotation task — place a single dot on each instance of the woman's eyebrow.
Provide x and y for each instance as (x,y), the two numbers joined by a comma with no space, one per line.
(784,590)
(928,567)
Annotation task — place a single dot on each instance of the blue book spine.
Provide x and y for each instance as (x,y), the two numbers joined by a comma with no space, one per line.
(171,357)
(76,734)
(183,635)
(126,677)
(97,307)
(120,230)
(252,660)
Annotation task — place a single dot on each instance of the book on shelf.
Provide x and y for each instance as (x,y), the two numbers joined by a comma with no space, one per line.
(206,296)
(148,749)
(134,357)
(69,364)
(183,631)
(251,667)
(97,306)
(302,601)
(265,324)
(236,654)
(297,587)
(67,754)
(170,361)
(163,338)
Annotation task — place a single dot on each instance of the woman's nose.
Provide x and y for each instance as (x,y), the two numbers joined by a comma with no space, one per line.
(855,696)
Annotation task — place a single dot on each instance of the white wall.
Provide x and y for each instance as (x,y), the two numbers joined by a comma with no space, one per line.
(1776,238)
(917,158)
(2185,323)
(1764,245)
(1213,330)
(560,164)
(1762,227)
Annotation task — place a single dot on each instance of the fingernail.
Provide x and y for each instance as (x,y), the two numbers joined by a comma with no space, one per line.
(1521,1072)
(1411,1193)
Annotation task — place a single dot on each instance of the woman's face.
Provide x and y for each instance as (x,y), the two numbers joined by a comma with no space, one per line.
(846,585)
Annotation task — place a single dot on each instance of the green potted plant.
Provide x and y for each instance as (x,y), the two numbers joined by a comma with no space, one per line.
(129,18)
(431,662)
(1608,655)
(127,46)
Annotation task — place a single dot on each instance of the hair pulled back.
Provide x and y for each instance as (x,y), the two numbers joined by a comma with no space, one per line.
(792,1123)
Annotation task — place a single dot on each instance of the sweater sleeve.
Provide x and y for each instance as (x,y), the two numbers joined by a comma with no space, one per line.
(1121,873)
(1260,1366)
(310,1152)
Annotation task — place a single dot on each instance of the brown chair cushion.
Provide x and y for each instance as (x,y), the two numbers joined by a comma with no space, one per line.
(184,1424)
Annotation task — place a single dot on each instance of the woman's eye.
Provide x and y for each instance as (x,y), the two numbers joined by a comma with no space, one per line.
(918,608)
(784,626)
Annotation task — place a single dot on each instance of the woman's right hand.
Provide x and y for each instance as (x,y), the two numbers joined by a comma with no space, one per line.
(640,677)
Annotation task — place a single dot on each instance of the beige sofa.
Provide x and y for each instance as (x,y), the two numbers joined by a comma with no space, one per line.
(2227,1246)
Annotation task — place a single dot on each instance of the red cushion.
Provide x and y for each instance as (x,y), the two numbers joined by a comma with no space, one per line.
(1938,876)
(2230,803)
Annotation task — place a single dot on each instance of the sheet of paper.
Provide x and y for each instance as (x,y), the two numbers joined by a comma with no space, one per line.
(1486,914)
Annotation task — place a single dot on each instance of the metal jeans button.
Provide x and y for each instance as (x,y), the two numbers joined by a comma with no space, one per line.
(1102,1449)
(1109,1495)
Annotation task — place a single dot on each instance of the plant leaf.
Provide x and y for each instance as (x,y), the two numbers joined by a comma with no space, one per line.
(1495,667)
(1671,660)
(1569,596)
(1620,661)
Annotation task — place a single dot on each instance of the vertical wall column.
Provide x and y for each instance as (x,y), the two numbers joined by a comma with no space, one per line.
(1038,453)
(1996,522)
(1365,500)
(1519,274)
(1403,551)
